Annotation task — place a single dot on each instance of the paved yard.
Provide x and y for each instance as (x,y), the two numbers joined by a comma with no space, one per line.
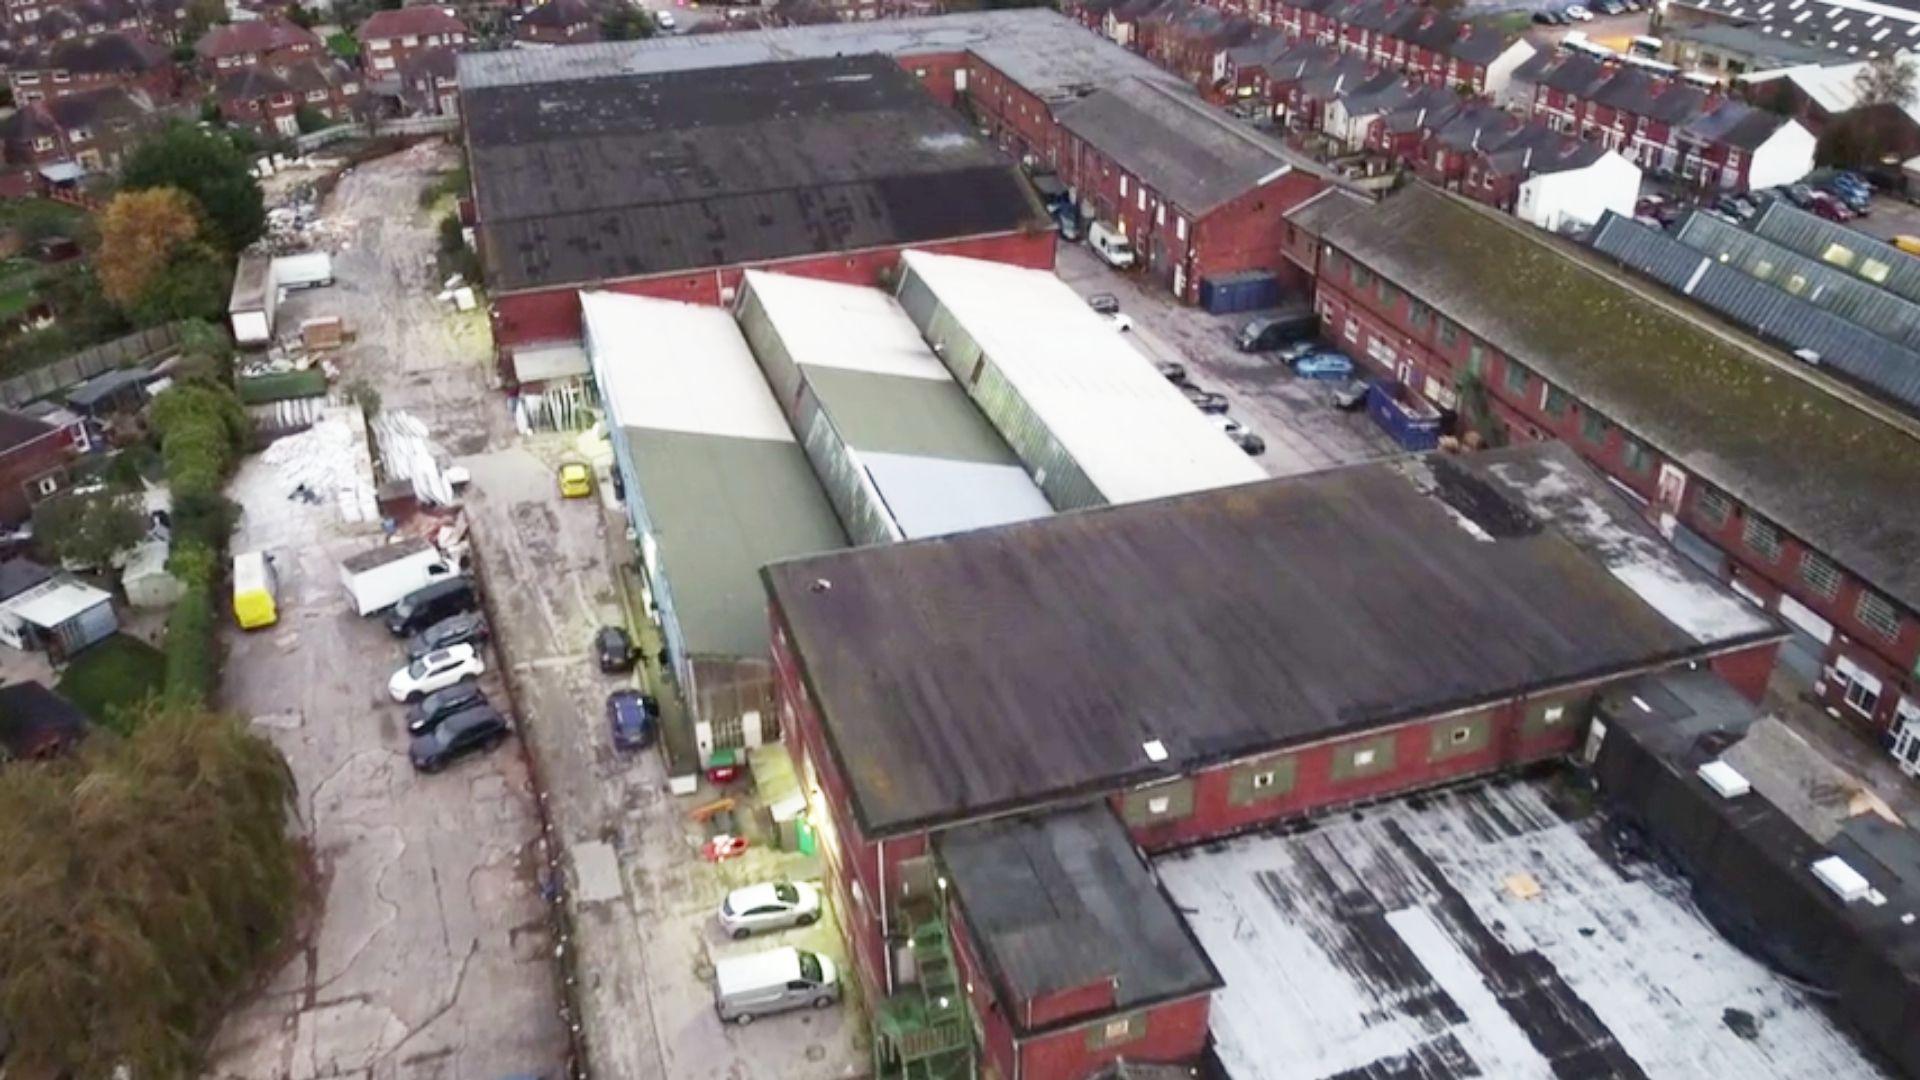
(1302,431)
(430,955)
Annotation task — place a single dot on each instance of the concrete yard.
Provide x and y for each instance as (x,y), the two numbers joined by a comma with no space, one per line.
(1477,932)
(1303,432)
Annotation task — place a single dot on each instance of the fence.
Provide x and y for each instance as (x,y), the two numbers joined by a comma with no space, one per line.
(410,125)
(135,348)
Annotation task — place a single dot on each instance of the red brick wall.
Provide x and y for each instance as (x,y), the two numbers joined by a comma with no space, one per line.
(935,72)
(1094,997)
(1176,1033)
(23,465)
(1250,233)
(1748,671)
(1019,121)
(525,318)
(997,1044)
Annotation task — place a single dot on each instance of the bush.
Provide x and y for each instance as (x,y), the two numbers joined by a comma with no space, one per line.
(193,650)
(202,430)
(88,529)
(205,519)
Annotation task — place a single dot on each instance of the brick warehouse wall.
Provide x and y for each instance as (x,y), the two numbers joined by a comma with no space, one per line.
(550,315)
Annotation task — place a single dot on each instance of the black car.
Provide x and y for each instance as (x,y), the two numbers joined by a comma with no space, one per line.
(634,717)
(1104,303)
(1172,372)
(475,730)
(466,628)
(425,715)
(1205,400)
(1253,444)
(614,649)
(423,607)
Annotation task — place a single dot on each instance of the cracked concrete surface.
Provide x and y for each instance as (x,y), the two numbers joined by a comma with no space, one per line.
(429,955)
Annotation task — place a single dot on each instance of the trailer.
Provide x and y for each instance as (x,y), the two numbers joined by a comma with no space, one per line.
(250,306)
(378,579)
(1403,414)
(310,271)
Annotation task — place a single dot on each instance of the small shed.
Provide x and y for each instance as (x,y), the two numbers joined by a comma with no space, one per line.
(37,723)
(120,390)
(62,616)
(145,578)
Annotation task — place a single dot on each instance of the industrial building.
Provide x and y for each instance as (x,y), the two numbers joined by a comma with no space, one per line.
(1794,489)
(900,450)
(1300,644)
(716,487)
(1090,418)
(668,184)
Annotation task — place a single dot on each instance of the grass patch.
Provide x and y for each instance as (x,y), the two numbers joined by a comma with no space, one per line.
(261,389)
(110,679)
(1507,22)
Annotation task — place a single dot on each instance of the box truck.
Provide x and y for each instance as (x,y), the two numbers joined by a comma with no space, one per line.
(378,579)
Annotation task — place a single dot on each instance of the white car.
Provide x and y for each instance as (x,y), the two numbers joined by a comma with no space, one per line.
(1579,14)
(664,21)
(1229,426)
(436,671)
(773,905)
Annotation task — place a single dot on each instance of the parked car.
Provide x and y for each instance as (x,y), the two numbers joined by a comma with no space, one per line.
(1205,400)
(632,717)
(769,906)
(664,22)
(614,649)
(1800,195)
(1826,206)
(1350,396)
(1908,244)
(1609,7)
(425,715)
(1545,18)
(1264,332)
(423,607)
(773,981)
(1578,13)
(1229,426)
(1104,303)
(473,731)
(1253,444)
(1172,372)
(466,628)
(436,671)
(576,480)
(1324,365)
(1120,322)
(1289,353)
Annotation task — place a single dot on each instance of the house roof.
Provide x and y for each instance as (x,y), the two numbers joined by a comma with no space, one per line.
(56,601)
(18,429)
(1280,613)
(651,174)
(254,36)
(409,22)
(108,53)
(1707,398)
(1736,124)
(17,575)
(1651,96)
(35,720)
(1060,902)
(440,62)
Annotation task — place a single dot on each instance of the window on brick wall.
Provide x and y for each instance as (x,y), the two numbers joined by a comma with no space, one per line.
(1477,360)
(1384,292)
(1517,379)
(1715,506)
(1556,401)
(1362,277)
(1635,455)
(1449,333)
(1594,427)
(1762,537)
(1820,574)
(1877,614)
(1419,315)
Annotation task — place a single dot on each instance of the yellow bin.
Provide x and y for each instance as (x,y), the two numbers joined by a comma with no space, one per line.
(253,591)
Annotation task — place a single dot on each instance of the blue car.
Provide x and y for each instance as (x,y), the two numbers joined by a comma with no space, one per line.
(632,716)
(1324,365)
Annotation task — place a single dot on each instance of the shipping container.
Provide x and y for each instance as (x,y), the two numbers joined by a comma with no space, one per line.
(1249,290)
(1401,413)
(250,307)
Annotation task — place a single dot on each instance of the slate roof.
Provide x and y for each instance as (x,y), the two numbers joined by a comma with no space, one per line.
(1708,398)
(559,14)
(107,53)
(35,721)
(1736,124)
(1282,612)
(415,21)
(18,575)
(1652,96)
(256,36)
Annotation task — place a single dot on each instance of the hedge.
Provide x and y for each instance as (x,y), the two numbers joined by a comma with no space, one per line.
(202,428)
(266,389)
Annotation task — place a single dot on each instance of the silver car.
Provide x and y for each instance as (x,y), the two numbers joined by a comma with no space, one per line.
(773,905)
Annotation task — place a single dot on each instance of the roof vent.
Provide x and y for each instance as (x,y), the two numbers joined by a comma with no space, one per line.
(1844,880)
(1156,750)
(1725,781)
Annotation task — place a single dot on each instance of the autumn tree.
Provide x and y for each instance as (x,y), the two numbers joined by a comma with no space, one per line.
(213,171)
(141,232)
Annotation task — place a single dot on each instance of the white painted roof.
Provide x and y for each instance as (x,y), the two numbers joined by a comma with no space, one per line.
(54,602)
(844,326)
(1835,87)
(1133,434)
(668,366)
(929,496)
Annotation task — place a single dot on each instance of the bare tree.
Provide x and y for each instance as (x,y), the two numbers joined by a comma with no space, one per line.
(1887,80)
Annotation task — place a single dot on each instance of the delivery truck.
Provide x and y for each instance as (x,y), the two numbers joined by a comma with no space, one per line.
(378,579)
(254,591)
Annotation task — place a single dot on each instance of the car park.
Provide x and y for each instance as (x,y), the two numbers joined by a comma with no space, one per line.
(1205,400)
(613,648)
(745,987)
(1324,365)
(633,717)
(466,628)
(776,905)
(425,606)
(436,671)
(424,715)
(473,731)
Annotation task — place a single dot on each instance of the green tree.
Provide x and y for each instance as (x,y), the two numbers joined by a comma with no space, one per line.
(625,22)
(211,169)
(194,286)
(143,881)
(310,119)
(88,529)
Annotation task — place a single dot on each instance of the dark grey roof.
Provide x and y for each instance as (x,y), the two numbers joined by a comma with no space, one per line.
(17,428)
(19,575)
(1191,154)
(1705,397)
(1326,207)
(1279,613)
(34,720)
(107,386)
(1885,367)
(1854,252)
(596,179)
(1650,96)
(108,53)
(1770,50)
(1843,31)
(1736,124)
(1062,901)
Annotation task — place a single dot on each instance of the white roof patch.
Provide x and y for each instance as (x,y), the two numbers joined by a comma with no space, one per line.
(669,366)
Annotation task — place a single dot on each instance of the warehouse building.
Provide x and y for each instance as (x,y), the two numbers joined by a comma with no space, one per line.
(668,184)
(1793,489)
(1090,418)
(899,449)
(716,487)
(1305,643)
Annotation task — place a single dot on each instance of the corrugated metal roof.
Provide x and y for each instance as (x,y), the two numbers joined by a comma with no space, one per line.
(1873,261)
(1105,411)
(1884,366)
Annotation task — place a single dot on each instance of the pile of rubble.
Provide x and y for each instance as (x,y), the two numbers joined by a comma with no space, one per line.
(329,463)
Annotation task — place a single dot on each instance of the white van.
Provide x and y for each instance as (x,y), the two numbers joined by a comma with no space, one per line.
(773,981)
(1111,246)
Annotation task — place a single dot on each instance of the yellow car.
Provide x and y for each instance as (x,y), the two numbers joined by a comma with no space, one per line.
(1908,244)
(576,480)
